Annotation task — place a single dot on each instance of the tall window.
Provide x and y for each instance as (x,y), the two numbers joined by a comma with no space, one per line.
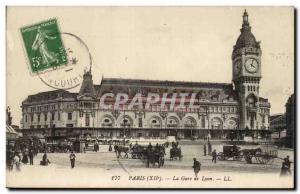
(39,117)
(203,121)
(140,122)
(26,118)
(46,117)
(263,119)
(69,116)
(87,119)
(32,118)
(52,116)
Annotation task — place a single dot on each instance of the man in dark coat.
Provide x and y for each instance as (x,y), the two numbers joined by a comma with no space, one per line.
(204,149)
(110,148)
(214,156)
(150,146)
(72,159)
(196,167)
(31,155)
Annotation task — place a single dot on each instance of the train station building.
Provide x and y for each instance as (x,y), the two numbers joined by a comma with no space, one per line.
(118,108)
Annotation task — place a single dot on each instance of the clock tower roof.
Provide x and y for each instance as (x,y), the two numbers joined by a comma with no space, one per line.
(246,38)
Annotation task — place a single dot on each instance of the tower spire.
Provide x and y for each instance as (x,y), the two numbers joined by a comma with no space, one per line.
(245,19)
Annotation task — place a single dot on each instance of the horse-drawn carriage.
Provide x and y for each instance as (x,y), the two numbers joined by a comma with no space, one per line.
(149,154)
(263,155)
(230,151)
(138,151)
(155,156)
(175,153)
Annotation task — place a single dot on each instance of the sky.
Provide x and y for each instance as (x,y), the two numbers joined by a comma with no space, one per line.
(160,43)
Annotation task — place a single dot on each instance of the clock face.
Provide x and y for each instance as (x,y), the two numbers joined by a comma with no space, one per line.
(237,67)
(251,65)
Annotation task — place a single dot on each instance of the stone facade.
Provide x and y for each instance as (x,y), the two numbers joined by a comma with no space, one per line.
(223,108)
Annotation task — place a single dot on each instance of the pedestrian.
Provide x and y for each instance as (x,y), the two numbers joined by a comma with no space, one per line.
(45,160)
(72,159)
(214,156)
(209,148)
(110,148)
(204,149)
(196,167)
(10,159)
(17,161)
(149,146)
(31,155)
(25,156)
(286,167)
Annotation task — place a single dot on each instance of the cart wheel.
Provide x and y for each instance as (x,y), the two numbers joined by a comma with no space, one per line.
(239,158)
(248,159)
(263,160)
(268,159)
(221,156)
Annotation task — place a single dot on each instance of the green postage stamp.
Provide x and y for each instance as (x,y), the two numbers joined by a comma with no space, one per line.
(44,46)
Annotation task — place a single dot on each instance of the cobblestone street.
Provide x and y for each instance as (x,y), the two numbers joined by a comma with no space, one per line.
(103,165)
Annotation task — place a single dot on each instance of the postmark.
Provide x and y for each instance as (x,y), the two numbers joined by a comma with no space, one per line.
(79,60)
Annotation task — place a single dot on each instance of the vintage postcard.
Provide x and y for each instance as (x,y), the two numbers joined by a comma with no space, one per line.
(150,97)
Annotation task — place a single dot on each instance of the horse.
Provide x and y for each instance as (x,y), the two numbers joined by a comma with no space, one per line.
(120,149)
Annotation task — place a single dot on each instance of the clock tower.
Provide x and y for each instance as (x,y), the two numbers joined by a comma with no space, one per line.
(246,70)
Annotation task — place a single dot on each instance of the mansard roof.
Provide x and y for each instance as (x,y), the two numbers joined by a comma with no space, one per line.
(162,83)
(49,96)
(204,90)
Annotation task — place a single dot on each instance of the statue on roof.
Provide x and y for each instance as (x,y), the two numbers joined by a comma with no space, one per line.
(8,116)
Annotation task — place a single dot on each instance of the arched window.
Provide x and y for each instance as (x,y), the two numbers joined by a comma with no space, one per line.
(190,122)
(251,100)
(155,122)
(216,123)
(232,123)
(172,122)
(126,121)
(107,121)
